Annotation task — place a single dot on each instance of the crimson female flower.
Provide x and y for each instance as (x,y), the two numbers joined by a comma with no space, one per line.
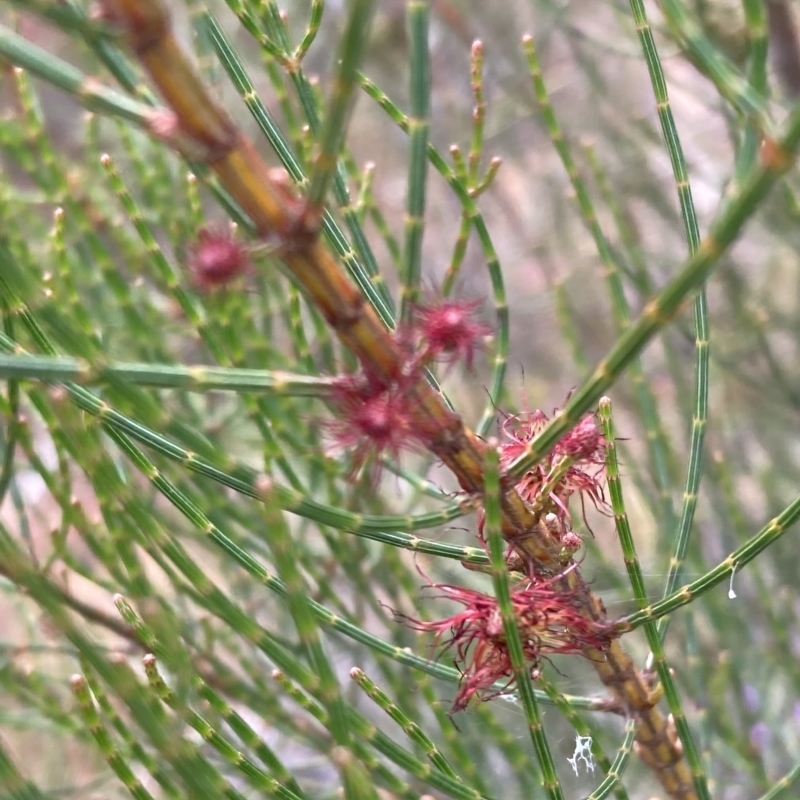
(577,461)
(216,258)
(447,331)
(374,418)
(550,622)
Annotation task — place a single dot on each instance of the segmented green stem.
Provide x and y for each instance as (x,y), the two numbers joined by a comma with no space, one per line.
(351,50)
(612,779)
(376,767)
(584,731)
(637,584)
(783,784)
(662,308)
(255,776)
(726,569)
(199,378)
(418,12)
(469,172)
(105,743)
(14,784)
(127,736)
(692,231)
(248,736)
(408,726)
(314,20)
(281,544)
(714,65)
(91,94)
(522,670)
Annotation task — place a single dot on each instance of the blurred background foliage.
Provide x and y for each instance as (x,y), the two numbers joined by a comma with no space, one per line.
(102,252)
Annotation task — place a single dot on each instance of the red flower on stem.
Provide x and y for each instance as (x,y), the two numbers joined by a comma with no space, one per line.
(446,330)
(216,258)
(550,622)
(583,446)
(375,418)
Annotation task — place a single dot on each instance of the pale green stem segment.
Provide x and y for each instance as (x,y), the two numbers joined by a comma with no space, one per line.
(757,44)
(14,784)
(614,775)
(522,670)
(471,212)
(782,786)
(370,735)
(248,736)
(200,378)
(376,767)
(417,14)
(106,708)
(726,569)
(354,778)
(714,65)
(351,52)
(667,304)
(407,725)
(692,231)
(640,593)
(584,731)
(253,774)
(105,743)
(314,20)
(468,172)
(91,94)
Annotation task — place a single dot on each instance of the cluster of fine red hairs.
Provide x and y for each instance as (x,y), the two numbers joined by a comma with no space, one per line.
(550,614)
(375,415)
(575,466)
(550,622)
(215,258)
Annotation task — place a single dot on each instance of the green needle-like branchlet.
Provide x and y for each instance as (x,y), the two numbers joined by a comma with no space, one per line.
(418,12)
(522,670)
(156,426)
(110,751)
(667,684)
(408,726)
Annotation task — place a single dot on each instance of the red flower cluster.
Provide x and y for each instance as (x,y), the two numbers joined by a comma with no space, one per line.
(216,258)
(376,416)
(446,331)
(584,448)
(550,621)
